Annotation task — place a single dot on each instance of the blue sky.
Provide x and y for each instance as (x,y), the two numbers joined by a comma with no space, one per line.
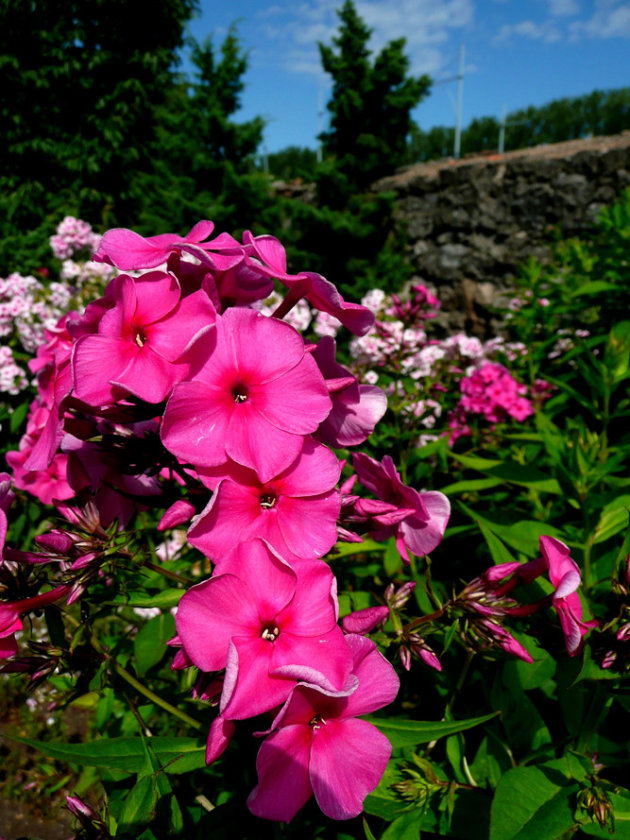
(518,53)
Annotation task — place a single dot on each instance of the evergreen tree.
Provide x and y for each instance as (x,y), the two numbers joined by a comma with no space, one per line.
(81,80)
(371,101)
(201,153)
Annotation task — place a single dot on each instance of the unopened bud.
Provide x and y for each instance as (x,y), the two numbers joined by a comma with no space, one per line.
(405,657)
(400,598)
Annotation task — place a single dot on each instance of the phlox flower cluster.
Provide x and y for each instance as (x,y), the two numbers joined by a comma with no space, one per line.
(72,237)
(421,371)
(31,307)
(185,389)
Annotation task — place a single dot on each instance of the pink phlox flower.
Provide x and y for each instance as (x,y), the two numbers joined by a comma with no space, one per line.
(269,254)
(356,409)
(565,577)
(129,251)
(143,337)
(6,498)
(268,626)
(319,746)
(47,483)
(10,612)
(419,532)
(295,511)
(252,397)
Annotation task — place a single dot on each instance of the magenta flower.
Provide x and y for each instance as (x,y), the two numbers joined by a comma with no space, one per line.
(565,577)
(252,398)
(267,626)
(143,338)
(6,497)
(128,250)
(296,512)
(356,409)
(424,515)
(318,291)
(321,748)
(10,612)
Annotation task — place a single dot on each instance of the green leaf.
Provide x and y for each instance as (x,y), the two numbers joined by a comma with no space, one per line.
(367,830)
(509,471)
(613,519)
(176,755)
(471,486)
(150,643)
(407,733)
(532,803)
(594,287)
(17,416)
(499,552)
(138,807)
(405,827)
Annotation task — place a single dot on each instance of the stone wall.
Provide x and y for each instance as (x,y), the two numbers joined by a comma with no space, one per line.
(470,223)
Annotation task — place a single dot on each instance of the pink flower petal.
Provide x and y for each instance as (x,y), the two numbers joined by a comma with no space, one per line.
(254,690)
(210,614)
(378,682)
(348,759)
(283,778)
(219,737)
(563,571)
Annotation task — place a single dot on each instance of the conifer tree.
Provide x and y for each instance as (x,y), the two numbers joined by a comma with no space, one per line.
(371,101)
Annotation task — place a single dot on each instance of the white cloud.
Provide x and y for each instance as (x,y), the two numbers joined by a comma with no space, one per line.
(425,24)
(545,31)
(563,8)
(611,19)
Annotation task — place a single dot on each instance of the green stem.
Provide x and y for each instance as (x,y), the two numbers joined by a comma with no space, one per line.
(154,698)
(167,573)
(142,689)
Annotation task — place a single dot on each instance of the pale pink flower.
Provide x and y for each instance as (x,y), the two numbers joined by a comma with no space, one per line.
(320,747)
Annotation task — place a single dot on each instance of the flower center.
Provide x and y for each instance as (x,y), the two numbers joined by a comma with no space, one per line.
(270,632)
(140,338)
(267,500)
(240,393)
(317,722)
